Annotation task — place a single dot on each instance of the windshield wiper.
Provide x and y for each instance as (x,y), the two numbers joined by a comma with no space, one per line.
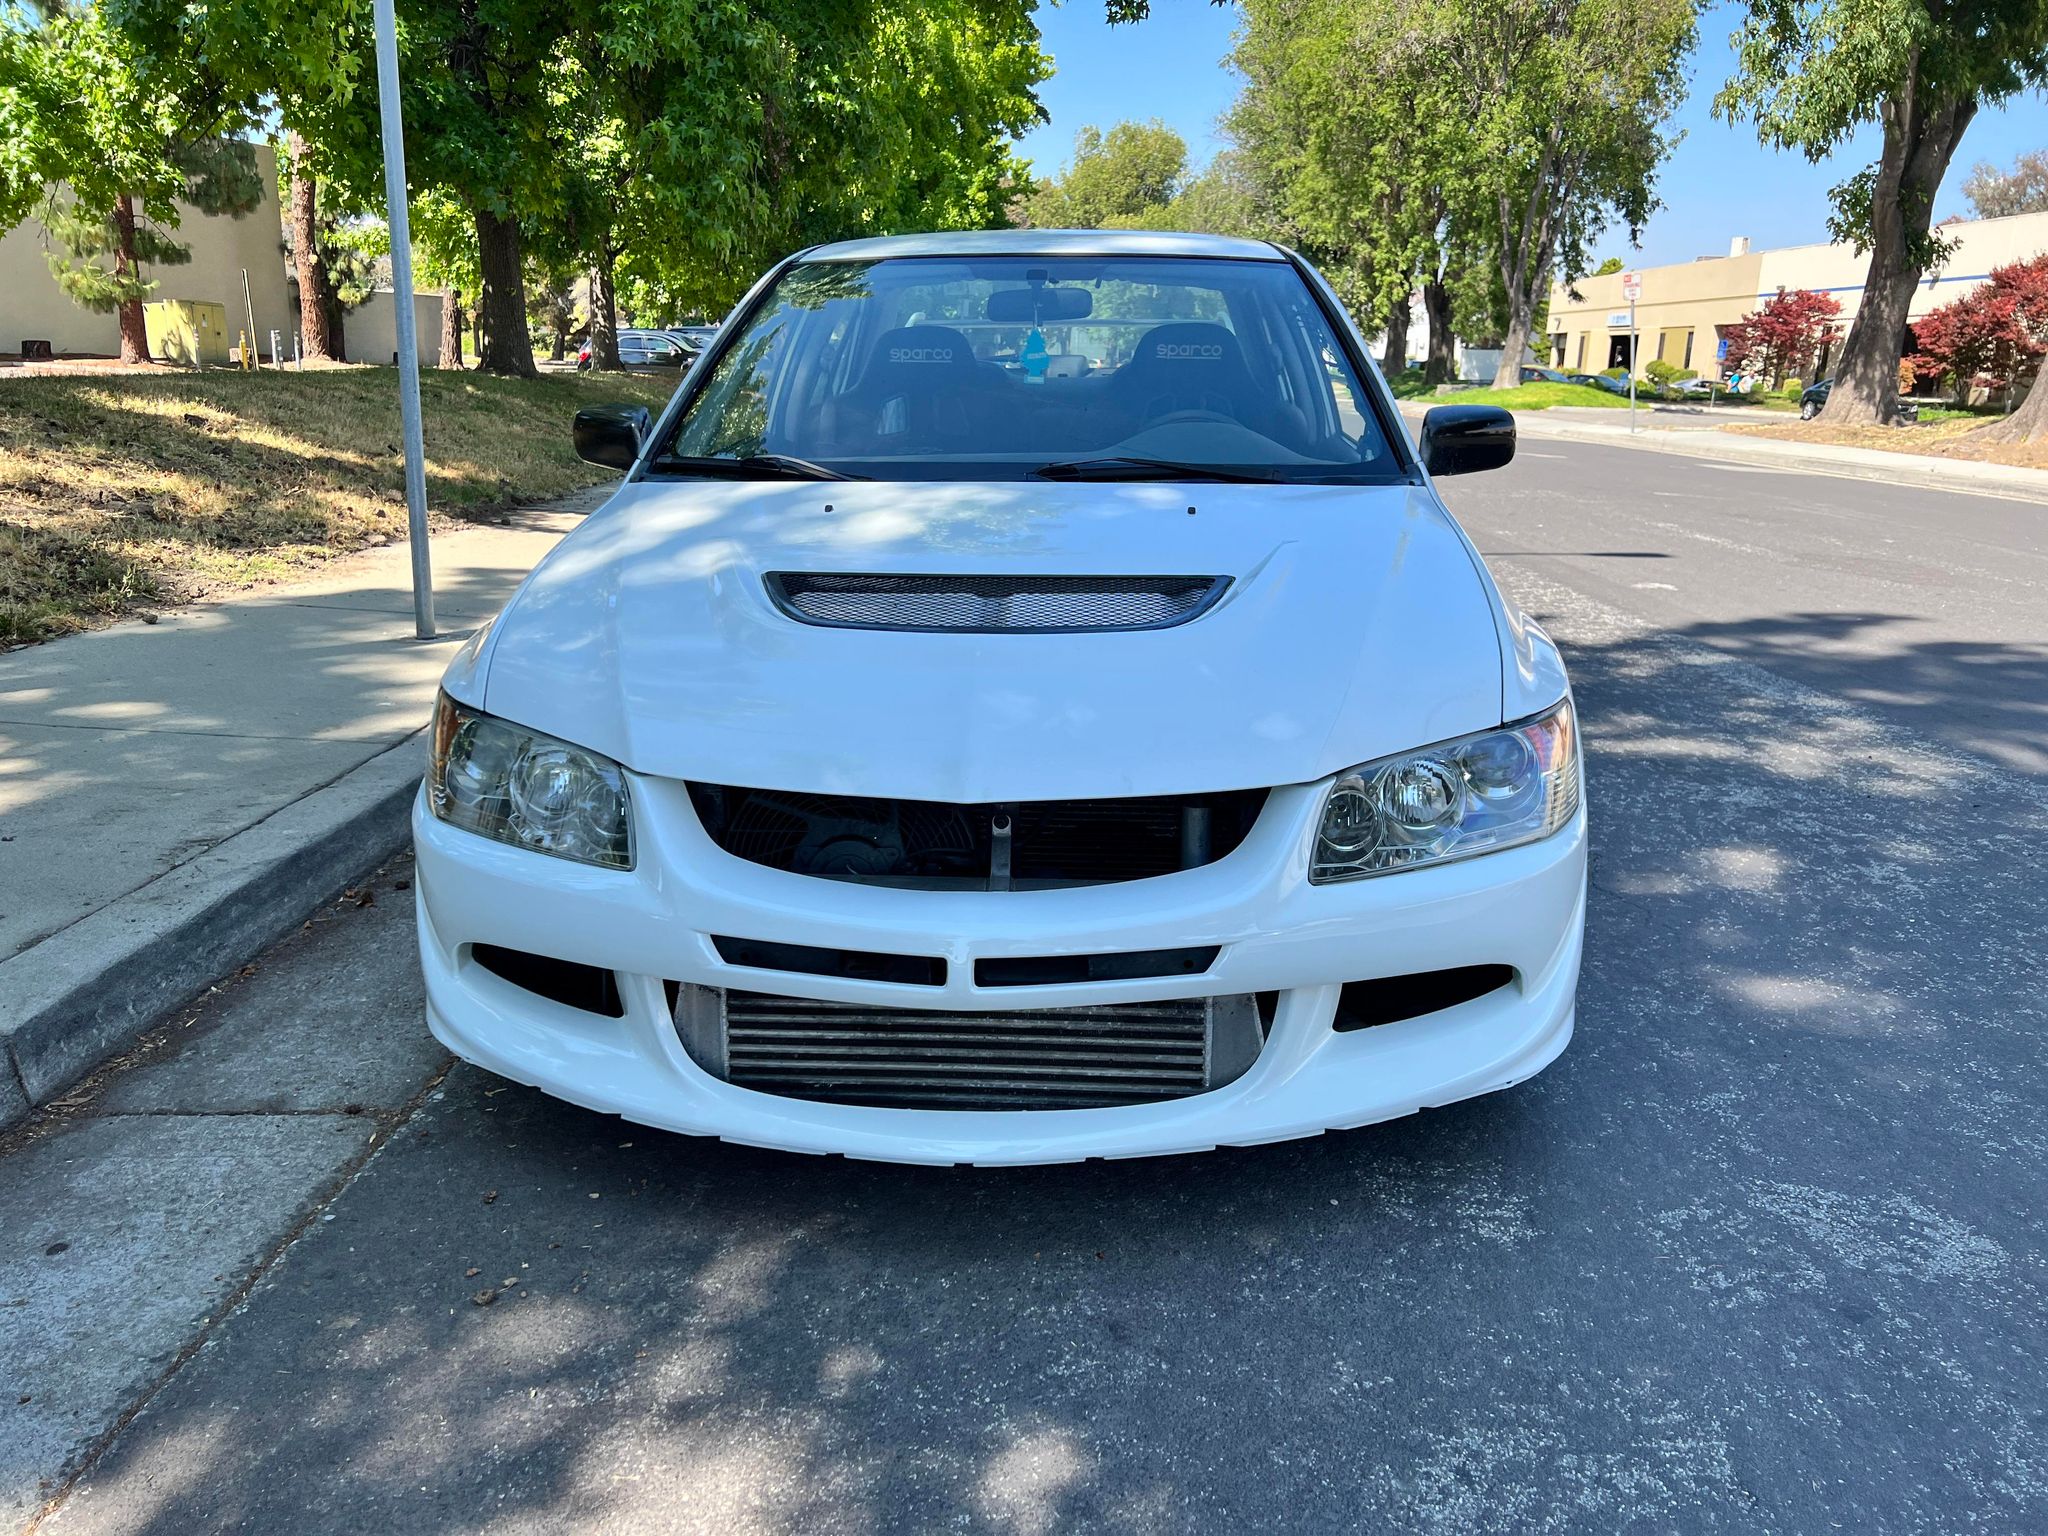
(784,465)
(1120,467)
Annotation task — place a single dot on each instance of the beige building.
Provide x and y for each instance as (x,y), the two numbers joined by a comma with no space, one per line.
(32,307)
(1685,309)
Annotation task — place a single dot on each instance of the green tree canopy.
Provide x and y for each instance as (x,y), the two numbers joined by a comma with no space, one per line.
(110,138)
(1123,178)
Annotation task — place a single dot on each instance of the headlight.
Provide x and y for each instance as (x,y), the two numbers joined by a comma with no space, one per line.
(501,780)
(1473,795)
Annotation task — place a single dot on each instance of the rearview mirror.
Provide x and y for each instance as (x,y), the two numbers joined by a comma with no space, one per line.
(1458,439)
(1028,306)
(611,435)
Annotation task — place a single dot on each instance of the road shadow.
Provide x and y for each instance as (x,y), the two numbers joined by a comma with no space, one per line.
(1744,1258)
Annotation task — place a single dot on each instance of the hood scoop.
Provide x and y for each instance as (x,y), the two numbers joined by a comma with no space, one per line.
(988,605)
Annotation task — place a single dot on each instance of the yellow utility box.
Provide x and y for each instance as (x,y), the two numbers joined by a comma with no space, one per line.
(191,332)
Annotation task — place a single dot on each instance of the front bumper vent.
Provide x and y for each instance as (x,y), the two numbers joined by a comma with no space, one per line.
(989,605)
(916,1058)
(939,845)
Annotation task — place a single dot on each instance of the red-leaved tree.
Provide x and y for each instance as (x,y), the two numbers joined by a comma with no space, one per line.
(1992,336)
(1784,336)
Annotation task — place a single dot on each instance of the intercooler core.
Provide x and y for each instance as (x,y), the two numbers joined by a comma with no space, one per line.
(920,1058)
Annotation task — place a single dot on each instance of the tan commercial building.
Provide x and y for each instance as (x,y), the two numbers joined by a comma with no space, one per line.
(1685,310)
(34,308)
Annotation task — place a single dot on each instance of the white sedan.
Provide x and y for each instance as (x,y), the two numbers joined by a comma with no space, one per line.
(1026,702)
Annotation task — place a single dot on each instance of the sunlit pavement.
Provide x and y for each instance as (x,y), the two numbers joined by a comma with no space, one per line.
(1762,1251)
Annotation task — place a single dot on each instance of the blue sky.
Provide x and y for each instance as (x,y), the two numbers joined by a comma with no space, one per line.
(1718,183)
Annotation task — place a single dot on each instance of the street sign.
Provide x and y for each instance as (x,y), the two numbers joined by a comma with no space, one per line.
(1631,286)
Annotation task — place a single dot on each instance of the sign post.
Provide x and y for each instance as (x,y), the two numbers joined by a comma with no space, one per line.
(386,23)
(1631,289)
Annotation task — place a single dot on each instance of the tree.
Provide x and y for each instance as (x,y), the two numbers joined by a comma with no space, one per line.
(1782,337)
(1809,73)
(1994,335)
(129,136)
(1564,103)
(1123,178)
(1996,194)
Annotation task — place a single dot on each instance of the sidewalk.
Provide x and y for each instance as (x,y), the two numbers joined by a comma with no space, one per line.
(1705,440)
(147,769)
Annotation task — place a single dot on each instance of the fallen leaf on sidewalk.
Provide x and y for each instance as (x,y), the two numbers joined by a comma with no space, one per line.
(471,1273)
(484,1297)
(490,1197)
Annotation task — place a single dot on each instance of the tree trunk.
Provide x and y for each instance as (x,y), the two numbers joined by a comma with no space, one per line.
(1919,141)
(2028,424)
(604,315)
(451,328)
(1394,355)
(501,306)
(1443,345)
(134,335)
(1521,325)
(317,299)
(560,349)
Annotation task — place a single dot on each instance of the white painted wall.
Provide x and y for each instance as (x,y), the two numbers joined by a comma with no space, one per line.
(370,334)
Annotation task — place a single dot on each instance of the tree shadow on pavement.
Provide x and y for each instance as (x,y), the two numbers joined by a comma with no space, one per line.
(1746,1257)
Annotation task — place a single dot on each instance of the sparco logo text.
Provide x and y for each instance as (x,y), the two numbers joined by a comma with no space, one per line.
(1209,352)
(920,354)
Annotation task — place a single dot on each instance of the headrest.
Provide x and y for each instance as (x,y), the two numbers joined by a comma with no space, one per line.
(1188,344)
(921,346)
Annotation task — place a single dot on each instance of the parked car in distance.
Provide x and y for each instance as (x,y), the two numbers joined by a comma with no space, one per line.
(1542,376)
(695,337)
(1599,381)
(924,759)
(1814,396)
(647,352)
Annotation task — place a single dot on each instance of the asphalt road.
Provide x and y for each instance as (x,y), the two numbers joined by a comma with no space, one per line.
(1763,1251)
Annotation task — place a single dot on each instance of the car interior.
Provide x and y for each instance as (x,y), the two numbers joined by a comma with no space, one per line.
(1239,367)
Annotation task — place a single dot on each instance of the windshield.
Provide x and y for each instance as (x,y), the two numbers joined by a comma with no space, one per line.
(1004,367)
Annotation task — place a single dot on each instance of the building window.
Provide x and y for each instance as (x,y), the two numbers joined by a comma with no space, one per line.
(1688,351)
(1584,337)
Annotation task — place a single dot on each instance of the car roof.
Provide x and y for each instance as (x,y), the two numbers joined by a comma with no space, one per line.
(1048,242)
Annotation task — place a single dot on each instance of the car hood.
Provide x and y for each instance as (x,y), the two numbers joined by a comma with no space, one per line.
(1357,623)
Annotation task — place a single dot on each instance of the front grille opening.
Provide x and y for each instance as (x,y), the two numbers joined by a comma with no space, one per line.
(888,1056)
(1389,999)
(856,964)
(987,605)
(1053,970)
(937,845)
(559,981)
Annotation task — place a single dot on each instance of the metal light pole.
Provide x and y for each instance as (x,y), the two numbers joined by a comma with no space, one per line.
(385,19)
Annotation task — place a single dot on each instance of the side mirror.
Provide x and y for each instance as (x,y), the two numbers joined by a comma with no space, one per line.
(1458,439)
(611,435)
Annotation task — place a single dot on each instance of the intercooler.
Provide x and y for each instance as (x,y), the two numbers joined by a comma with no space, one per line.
(1009,1059)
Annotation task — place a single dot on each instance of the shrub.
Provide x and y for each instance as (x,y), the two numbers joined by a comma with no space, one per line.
(1613,373)
(1664,375)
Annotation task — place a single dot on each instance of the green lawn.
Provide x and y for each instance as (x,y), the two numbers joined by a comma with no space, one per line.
(1535,397)
(134,491)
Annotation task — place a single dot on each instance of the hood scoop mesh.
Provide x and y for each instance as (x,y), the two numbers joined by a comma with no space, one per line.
(987,605)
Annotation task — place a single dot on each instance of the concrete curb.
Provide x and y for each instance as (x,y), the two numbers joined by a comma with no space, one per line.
(2011,481)
(81,994)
